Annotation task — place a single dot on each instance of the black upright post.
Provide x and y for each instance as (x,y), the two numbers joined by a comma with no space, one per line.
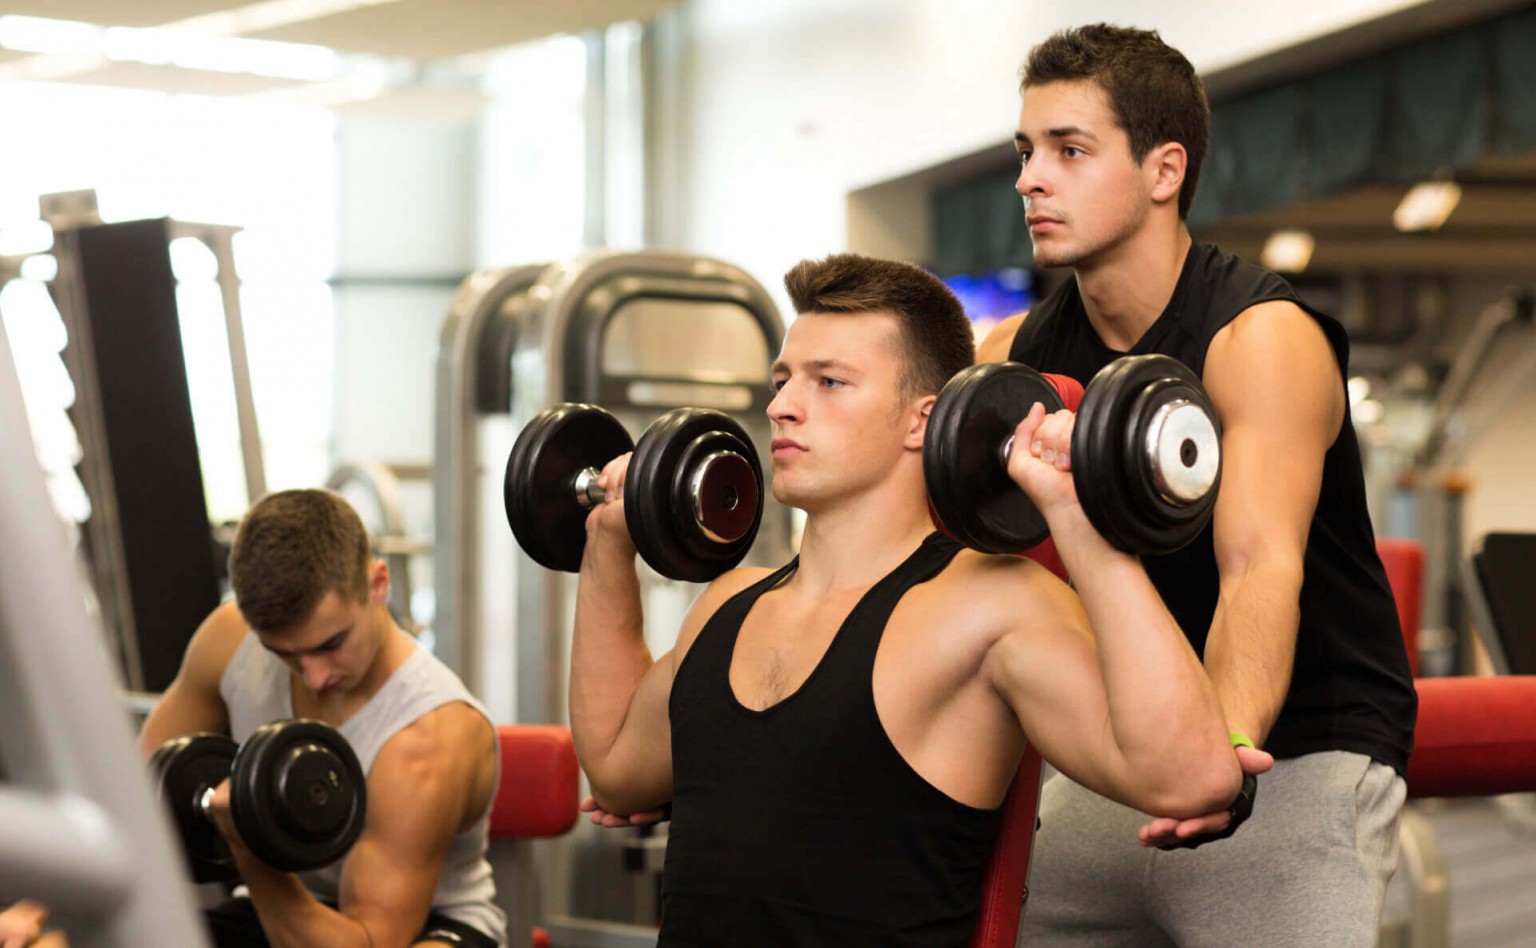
(129,299)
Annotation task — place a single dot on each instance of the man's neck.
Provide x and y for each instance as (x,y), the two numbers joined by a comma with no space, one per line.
(1125,292)
(393,651)
(852,546)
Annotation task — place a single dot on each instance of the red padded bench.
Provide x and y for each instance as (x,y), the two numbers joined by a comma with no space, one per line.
(1475,736)
(538,792)
(1404,562)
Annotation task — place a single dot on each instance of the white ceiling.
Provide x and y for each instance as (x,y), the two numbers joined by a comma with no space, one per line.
(421,31)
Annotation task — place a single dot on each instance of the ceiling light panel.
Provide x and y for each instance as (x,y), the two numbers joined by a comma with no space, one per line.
(1426,206)
(1288,251)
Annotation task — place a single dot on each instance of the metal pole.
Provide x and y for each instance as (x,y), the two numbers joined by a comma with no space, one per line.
(220,239)
(595,122)
(103,533)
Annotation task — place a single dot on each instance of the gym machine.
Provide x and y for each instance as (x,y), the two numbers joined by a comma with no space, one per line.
(79,830)
(152,562)
(638,334)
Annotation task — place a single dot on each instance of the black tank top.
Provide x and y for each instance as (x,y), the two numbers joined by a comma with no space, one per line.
(801,824)
(1351,688)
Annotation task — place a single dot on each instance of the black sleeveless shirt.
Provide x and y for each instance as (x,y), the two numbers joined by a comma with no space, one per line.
(1350,688)
(801,824)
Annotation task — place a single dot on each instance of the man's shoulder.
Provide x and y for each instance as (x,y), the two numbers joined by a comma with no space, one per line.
(1262,329)
(988,595)
(451,730)
(998,344)
(719,591)
(214,644)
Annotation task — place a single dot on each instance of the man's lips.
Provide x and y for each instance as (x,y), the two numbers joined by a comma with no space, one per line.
(785,446)
(1041,222)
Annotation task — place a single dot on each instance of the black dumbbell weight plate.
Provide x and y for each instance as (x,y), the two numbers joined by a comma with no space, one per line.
(182,769)
(693,496)
(1146,454)
(540,484)
(298,795)
(963,460)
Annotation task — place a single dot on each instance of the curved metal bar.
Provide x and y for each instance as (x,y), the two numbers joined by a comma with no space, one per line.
(390,541)
(1514,308)
(475,312)
(1423,865)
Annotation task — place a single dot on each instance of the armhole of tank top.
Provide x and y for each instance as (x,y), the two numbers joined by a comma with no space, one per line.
(229,678)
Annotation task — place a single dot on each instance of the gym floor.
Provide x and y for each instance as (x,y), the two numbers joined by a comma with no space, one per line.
(1491,863)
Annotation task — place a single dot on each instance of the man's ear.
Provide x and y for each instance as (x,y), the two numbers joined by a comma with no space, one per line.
(378,582)
(1165,166)
(917,422)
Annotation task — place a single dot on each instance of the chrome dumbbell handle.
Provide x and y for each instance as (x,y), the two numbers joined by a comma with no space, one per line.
(588,493)
(205,803)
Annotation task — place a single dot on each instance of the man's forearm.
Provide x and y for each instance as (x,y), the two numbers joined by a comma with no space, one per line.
(1164,714)
(609,656)
(1251,648)
(291,916)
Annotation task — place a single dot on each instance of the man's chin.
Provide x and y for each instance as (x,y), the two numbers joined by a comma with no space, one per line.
(789,497)
(1047,258)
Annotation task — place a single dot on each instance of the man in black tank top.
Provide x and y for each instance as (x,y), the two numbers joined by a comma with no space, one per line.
(1283,596)
(836,736)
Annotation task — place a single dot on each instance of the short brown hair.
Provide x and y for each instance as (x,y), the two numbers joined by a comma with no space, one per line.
(1153,90)
(936,338)
(292,548)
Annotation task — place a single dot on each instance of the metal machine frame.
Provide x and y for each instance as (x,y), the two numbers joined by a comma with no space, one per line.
(79,830)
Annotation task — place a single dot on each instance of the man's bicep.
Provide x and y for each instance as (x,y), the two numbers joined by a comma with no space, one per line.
(419,787)
(1051,678)
(1045,668)
(639,768)
(1278,391)
(388,890)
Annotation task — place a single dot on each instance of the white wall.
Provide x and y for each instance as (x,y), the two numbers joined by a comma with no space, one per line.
(1499,452)
(792,104)
(407,219)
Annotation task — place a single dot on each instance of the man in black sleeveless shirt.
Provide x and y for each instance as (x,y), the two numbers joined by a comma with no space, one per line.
(1283,596)
(837,736)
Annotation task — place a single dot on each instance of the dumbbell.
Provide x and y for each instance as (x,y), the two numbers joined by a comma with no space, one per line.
(1146,454)
(693,496)
(297,795)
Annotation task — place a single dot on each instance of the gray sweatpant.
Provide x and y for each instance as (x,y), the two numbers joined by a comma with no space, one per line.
(1309,867)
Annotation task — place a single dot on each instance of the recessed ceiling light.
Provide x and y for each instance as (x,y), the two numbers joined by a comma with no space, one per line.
(1426,206)
(1288,251)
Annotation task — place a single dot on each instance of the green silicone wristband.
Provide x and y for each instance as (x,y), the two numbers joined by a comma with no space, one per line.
(1239,739)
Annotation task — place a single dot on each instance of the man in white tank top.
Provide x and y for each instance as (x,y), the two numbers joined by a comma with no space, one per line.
(308,635)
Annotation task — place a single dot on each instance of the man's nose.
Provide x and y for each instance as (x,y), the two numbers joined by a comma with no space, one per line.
(314,670)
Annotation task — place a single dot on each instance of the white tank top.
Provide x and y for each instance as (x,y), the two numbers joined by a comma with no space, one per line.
(257,689)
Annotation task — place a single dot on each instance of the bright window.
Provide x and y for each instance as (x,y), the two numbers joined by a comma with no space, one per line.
(267,168)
